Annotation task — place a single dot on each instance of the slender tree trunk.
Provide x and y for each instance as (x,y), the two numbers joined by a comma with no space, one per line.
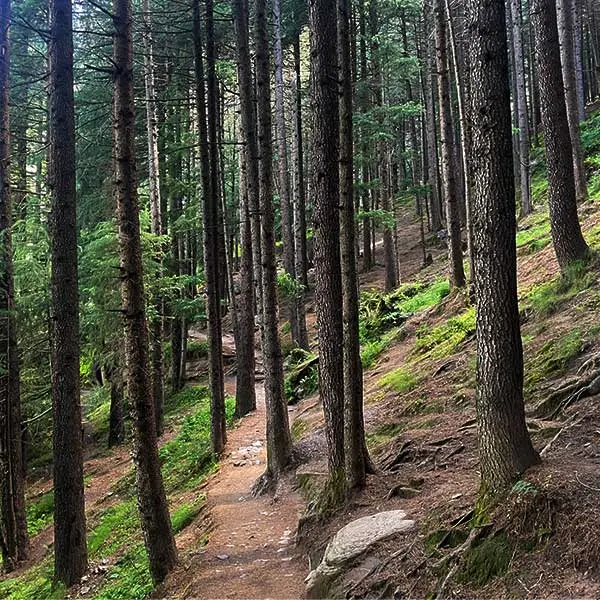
(516,20)
(152,501)
(567,238)
(70,549)
(354,431)
(300,199)
(505,447)
(116,419)
(569,65)
(13,523)
(206,103)
(155,212)
(279,445)
(578,51)
(457,274)
(326,226)
(245,388)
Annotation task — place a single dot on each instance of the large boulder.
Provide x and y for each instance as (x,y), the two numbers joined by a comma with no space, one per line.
(350,542)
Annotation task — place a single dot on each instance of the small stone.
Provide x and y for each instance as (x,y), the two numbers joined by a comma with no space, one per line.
(223,556)
(85,590)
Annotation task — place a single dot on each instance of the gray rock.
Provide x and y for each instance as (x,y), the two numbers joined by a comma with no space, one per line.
(351,541)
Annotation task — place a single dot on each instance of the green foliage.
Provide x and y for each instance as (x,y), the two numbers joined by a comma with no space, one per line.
(534,239)
(288,286)
(383,434)
(129,578)
(197,349)
(380,217)
(183,515)
(302,378)
(399,380)
(372,350)
(553,358)
(96,406)
(442,341)
(546,297)
(35,584)
(486,560)
(590,135)
(40,513)
(114,527)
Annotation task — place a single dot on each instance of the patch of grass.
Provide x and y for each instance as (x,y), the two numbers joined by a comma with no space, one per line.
(371,351)
(186,398)
(553,358)
(534,239)
(98,411)
(183,515)
(115,526)
(299,427)
(197,349)
(486,560)
(442,341)
(36,583)
(128,579)
(399,380)
(40,513)
(547,297)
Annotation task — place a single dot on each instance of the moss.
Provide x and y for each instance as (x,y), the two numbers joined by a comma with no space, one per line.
(399,380)
(443,340)
(40,513)
(444,538)
(486,560)
(553,358)
(183,515)
(383,434)
(299,427)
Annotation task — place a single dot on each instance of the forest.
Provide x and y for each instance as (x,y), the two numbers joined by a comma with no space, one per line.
(299,299)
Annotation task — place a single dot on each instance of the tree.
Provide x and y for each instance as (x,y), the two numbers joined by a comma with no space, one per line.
(566,34)
(505,447)
(326,227)
(567,238)
(245,382)
(516,21)
(152,501)
(279,444)
(14,543)
(457,274)
(70,549)
(355,446)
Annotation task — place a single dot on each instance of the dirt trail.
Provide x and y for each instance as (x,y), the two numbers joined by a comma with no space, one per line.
(251,551)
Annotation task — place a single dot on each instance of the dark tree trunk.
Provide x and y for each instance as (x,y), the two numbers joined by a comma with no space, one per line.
(70,549)
(245,384)
(116,419)
(279,445)
(13,523)
(567,238)
(152,501)
(457,274)
(566,31)
(505,448)
(326,227)
(354,430)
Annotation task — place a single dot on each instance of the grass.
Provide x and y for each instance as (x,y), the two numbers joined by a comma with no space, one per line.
(399,380)
(553,358)
(442,341)
(35,584)
(115,526)
(40,513)
(372,350)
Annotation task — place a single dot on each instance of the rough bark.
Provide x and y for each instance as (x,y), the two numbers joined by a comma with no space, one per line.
(70,550)
(566,34)
(354,431)
(13,523)
(567,238)
(516,21)
(450,188)
(245,385)
(152,501)
(505,447)
(326,227)
(279,445)
(157,325)
(116,418)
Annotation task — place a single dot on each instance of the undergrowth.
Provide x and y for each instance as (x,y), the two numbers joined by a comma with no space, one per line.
(399,380)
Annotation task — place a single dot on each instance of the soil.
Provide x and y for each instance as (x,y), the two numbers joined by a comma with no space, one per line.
(251,552)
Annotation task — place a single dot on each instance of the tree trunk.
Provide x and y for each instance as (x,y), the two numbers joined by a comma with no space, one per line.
(279,445)
(505,447)
(116,419)
(566,35)
(155,212)
(516,20)
(457,274)
(70,549)
(567,238)
(206,103)
(354,430)
(245,386)
(13,523)
(326,227)
(152,501)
